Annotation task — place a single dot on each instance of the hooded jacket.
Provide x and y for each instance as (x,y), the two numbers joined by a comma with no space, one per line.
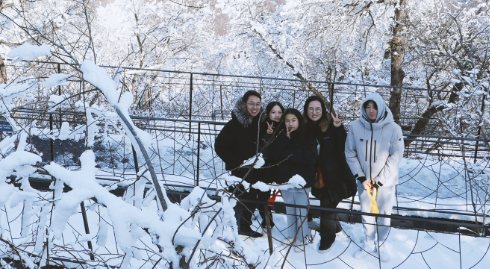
(375,149)
(237,141)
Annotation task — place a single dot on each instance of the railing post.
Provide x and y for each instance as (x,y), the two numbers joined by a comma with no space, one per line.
(59,93)
(479,127)
(351,207)
(190,107)
(198,153)
(221,100)
(51,144)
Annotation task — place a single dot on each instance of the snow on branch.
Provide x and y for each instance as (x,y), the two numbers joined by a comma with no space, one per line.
(28,52)
(124,217)
(99,78)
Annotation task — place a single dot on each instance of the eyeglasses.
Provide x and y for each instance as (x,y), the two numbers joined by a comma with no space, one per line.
(311,109)
(253,104)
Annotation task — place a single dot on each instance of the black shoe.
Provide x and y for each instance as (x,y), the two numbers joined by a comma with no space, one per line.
(246,230)
(323,248)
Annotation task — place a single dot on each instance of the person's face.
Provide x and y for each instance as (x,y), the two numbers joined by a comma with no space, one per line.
(371,110)
(253,105)
(292,122)
(275,114)
(314,110)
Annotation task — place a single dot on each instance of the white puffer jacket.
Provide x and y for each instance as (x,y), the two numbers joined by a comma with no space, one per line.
(375,150)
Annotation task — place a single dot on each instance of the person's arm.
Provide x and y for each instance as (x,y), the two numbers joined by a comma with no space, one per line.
(306,154)
(340,137)
(222,146)
(276,148)
(389,172)
(351,156)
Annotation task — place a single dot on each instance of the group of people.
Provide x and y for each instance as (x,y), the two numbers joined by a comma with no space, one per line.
(314,145)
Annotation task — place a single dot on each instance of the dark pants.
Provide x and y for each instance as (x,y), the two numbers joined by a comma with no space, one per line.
(264,197)
(329,223)
(245,210)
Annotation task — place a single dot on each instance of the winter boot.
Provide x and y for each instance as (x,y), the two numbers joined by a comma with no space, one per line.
(324,248)
(246,230)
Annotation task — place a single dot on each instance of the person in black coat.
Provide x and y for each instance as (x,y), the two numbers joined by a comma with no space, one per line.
(270,128)
(236,143)
(294,152)
(337,176)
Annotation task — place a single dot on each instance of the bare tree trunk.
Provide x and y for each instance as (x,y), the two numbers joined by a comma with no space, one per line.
(397,45)
(3,72)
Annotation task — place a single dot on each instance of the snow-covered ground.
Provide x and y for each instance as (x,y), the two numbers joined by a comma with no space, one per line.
(407,248)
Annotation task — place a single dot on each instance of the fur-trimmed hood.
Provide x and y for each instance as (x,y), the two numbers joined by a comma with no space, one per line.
(241,114)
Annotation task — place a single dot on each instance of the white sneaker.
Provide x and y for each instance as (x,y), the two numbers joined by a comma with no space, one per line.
(383,253)
(368,247)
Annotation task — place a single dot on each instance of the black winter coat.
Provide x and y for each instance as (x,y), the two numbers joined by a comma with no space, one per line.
(266,140)
(235,144)
(293,157)
(339,181)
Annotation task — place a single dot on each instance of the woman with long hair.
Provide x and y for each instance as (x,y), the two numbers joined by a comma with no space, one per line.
(294,151)
(334,180)
(270,128)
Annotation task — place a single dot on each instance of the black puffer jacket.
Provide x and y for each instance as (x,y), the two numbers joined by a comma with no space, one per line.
(294,156)
(339,181)
(237,142)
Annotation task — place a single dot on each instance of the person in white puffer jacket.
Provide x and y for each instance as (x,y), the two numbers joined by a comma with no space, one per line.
(374,150)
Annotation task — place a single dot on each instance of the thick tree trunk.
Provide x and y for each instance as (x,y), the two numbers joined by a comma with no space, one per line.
(397,45)
(3,70)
